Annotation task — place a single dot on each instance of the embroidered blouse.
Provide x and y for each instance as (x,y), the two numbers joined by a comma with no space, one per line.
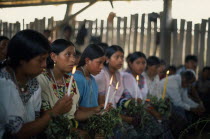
(51,94)
(17,108)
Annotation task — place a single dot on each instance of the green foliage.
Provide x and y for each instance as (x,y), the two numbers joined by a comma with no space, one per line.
(138,111)
(105,123)
(60,128)
(162,106)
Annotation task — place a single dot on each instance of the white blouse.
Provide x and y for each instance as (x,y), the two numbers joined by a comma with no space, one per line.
(131,86)
(15,108)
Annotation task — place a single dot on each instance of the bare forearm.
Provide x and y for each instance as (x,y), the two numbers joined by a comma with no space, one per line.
(34,128)
(81,115)
(86,109)
(101,99)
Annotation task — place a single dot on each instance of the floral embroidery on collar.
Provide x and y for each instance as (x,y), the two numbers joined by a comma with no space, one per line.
(59,92)
(32,85)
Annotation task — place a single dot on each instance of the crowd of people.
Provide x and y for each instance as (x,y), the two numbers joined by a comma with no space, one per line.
(35,75)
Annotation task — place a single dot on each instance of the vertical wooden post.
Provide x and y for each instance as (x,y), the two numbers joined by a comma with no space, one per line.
(23,24)
(1,24)
(124,32)
(188,39)
(102,29)
(43,24)
(175,42)
(130,34)
(148,37)
(10,30)
(155,38)
(181,42)
(36,26)
(165,39)
(90,28)
(196,38)
(96,27)
(118,30)
(107,31)
(142,33)
(136,18)
(202,44)
(208,45)
(5,29)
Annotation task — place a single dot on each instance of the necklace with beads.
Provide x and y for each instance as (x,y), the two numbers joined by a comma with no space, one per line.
(53,77)
(21,88)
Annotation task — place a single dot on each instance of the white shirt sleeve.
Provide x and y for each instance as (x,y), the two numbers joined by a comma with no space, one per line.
(187,100)
(176,98)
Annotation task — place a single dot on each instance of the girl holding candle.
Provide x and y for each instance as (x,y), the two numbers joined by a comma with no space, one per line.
(55,81)
(136,65)
(115,58)
(114,62)
(90,64)
(20,97)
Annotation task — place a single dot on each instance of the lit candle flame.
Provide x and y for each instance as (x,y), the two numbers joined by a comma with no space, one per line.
(137,77)
(117,85)
(111,80)
(167,72)
(74,69)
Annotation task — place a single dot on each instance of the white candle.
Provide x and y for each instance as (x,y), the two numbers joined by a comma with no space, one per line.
(107,95)
(116,88)
(71,79)
(137,79)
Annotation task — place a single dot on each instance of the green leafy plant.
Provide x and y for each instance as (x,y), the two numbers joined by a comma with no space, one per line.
(138,112)
(105,123)
(60,128)
(162,106)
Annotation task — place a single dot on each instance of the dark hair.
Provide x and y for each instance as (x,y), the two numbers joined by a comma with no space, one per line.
(47,31)
(95,39)
(172,67)
(103,45)
(78,53)
(162,62)
(153,60)
(57,46)
(92,51)
(67,28)
(206,68)
(26,45)
(132,57)
(191,58)
(112,49)
(3,38)
(188,75)
(128,57)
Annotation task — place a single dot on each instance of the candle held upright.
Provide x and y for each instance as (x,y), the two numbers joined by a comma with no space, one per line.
(71,80)
(165,85)
(137,80)
(107,95)
(116,88)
